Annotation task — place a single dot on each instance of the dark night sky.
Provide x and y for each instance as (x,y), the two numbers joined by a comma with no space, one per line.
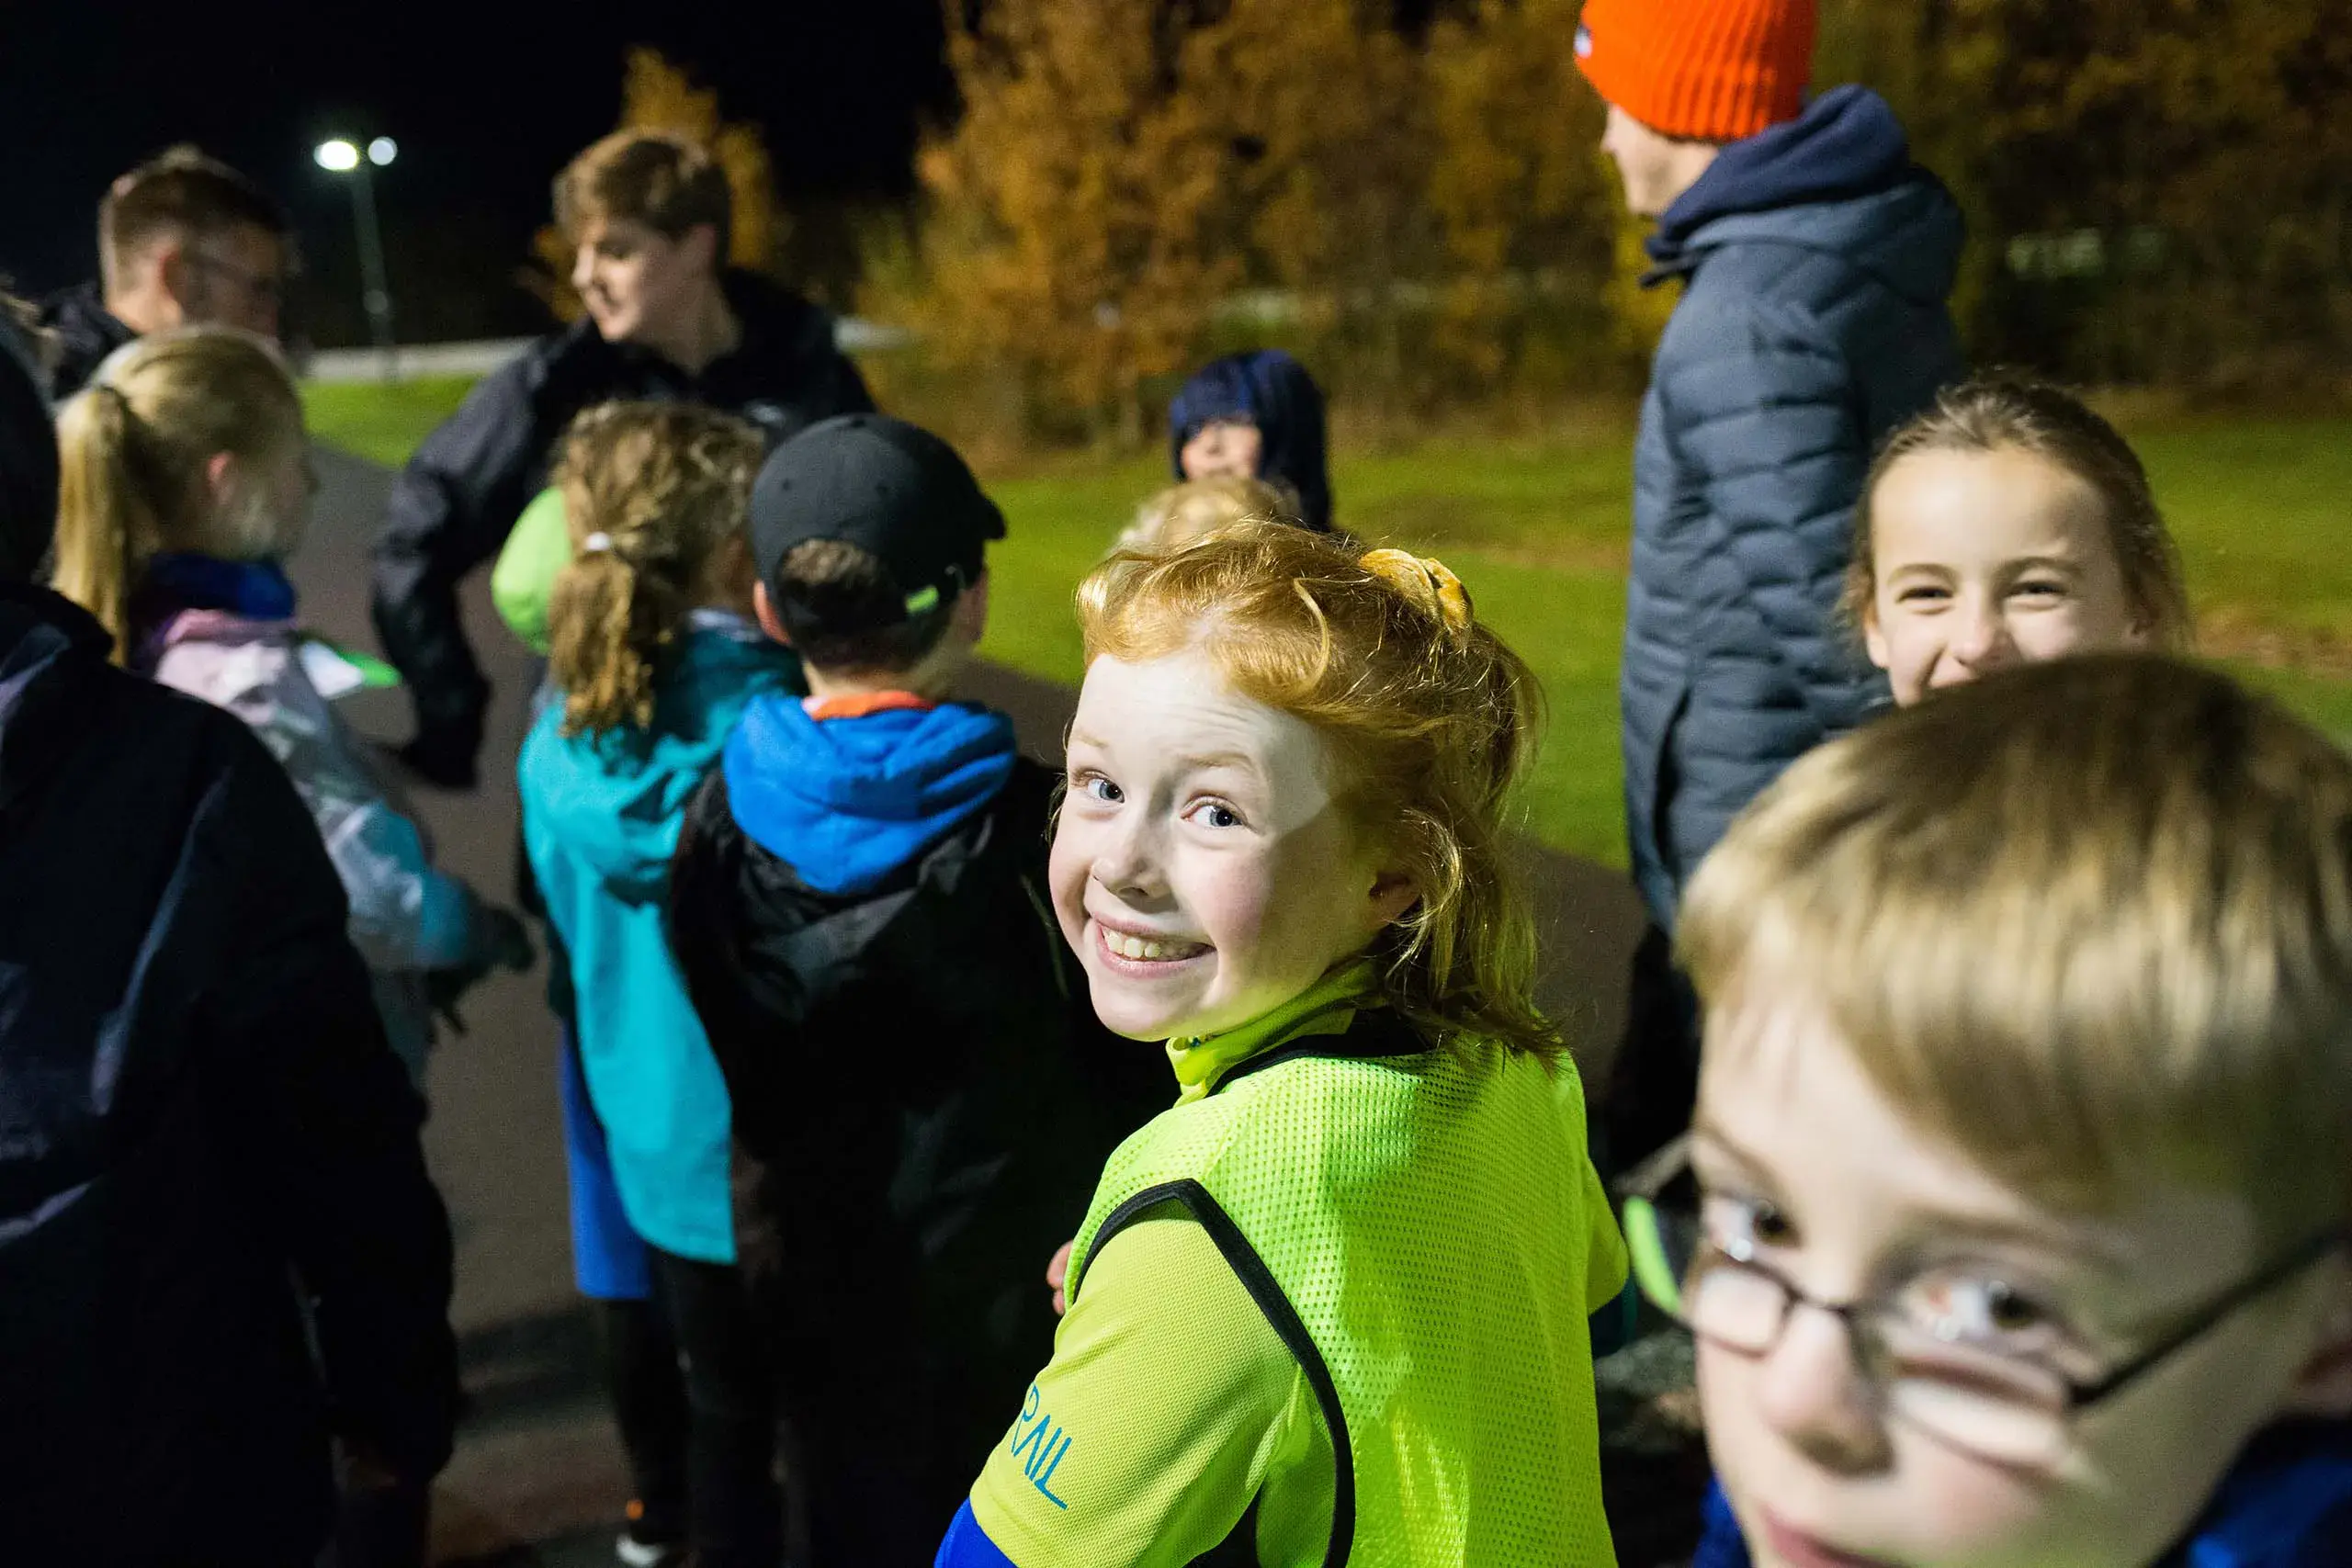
(487,100)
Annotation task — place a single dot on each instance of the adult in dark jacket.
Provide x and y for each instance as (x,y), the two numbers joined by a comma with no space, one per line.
(183,240)
(1816,260)
(649,217)
(204,1139)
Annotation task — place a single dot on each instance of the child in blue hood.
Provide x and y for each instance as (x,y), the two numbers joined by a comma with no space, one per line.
(655,657)
(858,905)
(1257,415)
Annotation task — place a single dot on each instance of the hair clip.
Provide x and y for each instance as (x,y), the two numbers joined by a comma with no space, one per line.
(1429,580)
(596,544)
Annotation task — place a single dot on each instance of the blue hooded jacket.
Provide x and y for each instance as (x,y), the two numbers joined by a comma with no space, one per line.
(848,801)
(1273,391)
(601,815)
(2286,1504)
(1816,258)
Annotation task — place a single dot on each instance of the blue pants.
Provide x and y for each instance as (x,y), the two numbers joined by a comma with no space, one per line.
(609,1261)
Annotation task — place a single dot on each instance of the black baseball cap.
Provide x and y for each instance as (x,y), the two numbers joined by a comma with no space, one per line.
(893,490)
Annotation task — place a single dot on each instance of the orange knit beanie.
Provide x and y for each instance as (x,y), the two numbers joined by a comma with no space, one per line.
(1710,70)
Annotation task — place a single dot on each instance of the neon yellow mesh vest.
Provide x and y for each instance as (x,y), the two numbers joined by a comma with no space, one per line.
(1416,1225)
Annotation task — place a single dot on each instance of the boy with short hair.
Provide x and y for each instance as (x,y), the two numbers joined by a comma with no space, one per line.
(183,240)
(2022,1136)
(921,1094)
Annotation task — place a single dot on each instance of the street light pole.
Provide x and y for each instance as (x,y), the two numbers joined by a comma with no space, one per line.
(343,157)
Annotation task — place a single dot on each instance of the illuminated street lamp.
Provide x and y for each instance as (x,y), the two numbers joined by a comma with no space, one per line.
(343,156)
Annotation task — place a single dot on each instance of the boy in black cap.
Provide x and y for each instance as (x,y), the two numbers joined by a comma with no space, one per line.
(921,1094)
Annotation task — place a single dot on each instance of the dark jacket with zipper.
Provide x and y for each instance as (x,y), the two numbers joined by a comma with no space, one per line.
(201,1124)
(922,1098)
(1816,258)
(83,332)
(460,493)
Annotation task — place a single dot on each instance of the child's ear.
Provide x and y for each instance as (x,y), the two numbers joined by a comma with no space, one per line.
(1874,636)
(173,271)
(2323,1388)
(765,611)
(969,618)
(1393,892)
(223,476)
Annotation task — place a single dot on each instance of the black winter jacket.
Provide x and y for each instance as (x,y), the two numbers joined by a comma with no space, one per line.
(1818,258)
(920,1063)
(198,1117)
(84,332)
(460,493)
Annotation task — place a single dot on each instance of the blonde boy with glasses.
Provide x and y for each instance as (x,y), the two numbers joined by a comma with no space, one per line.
(2021,1152)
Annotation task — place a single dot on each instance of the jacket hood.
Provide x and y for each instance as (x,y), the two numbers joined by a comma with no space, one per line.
(85,332)
(615,800)
(1273,391)
(1838,179)
(847,802)
(50,647)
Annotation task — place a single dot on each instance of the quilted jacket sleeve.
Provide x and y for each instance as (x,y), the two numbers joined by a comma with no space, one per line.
(1760,407)
(449,512)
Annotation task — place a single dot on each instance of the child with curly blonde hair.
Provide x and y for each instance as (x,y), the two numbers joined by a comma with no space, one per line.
(654,656)
(1337,1296)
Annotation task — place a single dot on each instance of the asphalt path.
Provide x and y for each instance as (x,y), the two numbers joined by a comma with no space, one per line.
(537,1477)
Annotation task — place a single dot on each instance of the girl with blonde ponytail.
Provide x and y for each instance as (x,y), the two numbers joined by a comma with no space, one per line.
(186,483)
(653,656)
(187,443)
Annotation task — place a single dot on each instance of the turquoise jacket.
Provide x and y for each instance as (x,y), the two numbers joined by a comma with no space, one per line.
(601,815)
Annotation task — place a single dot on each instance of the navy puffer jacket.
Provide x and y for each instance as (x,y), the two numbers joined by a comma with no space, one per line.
(1818,258)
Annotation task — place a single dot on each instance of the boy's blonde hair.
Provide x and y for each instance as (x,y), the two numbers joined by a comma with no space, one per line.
(2003,413)
(651,493)
(2081,919)
(1430,716)
(1197,508)
(134,445)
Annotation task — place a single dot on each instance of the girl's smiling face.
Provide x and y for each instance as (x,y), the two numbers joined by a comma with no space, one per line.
(1203,867)
(1986,559)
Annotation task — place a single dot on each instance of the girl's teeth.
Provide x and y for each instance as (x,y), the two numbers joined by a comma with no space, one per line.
(1140,948)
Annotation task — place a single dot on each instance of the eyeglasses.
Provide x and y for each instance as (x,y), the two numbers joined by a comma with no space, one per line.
(1993,1403)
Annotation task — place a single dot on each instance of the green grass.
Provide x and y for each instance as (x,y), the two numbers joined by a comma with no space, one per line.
(382,424)
(2261,508)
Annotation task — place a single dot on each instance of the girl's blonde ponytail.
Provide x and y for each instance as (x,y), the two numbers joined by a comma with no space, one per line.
(610,621)
(651,492)
(133,448)
(105,525)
